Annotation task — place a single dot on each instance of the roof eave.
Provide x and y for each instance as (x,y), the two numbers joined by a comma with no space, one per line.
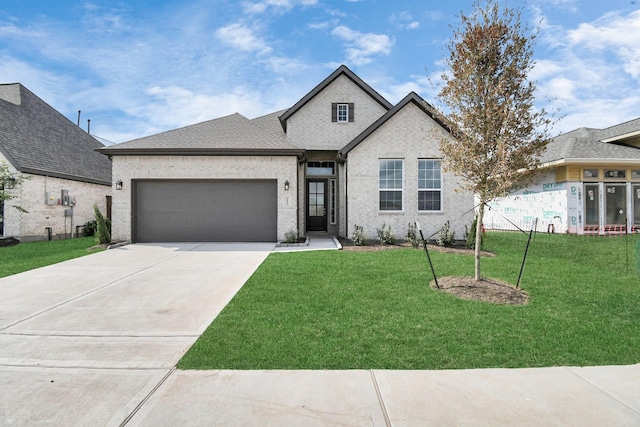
(200,152)
(64,176)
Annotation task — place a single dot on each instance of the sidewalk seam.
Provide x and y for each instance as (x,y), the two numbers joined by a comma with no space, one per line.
(387,420)
(147,397)
(613,396)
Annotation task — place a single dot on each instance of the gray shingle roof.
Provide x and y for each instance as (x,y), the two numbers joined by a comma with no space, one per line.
(37,139)
(226,135)
(586,143)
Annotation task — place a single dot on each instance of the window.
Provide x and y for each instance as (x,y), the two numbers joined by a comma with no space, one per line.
(390,174)
(429,185)
(321,168)
(332,201)
(615,173)
(590,173)
(342,112)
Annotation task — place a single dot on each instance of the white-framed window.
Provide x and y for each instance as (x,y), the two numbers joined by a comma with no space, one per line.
(390,184)
(342,112)
(429,185)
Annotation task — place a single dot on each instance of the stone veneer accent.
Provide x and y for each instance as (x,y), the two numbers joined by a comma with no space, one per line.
(128,168)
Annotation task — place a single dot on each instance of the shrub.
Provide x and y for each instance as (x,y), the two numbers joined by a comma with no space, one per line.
(291,236)
(385,235)
(89,228)
(470,234)
(359,238)
(412,236)
(103,234)
(446,237)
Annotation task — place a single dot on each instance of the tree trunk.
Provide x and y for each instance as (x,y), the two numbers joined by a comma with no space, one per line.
(479,238)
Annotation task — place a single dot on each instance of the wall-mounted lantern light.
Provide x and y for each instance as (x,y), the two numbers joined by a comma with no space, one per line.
(118,185)
(286,185)
(11,183)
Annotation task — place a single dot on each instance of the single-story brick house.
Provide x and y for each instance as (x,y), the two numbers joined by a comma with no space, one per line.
(61,174)
(589,183)
(341,156)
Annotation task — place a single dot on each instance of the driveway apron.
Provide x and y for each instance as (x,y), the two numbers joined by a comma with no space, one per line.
(87,340)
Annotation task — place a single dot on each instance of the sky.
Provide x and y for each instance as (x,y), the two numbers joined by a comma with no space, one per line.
(136,68)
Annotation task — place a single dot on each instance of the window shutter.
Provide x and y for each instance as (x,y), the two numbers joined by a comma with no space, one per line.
(351,112)
(334,112)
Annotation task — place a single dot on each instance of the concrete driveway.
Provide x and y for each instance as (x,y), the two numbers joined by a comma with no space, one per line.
(84,342)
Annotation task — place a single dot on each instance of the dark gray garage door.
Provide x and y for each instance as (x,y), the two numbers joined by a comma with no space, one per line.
(205,211)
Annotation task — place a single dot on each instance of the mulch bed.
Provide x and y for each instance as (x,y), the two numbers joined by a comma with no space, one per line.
(487,290)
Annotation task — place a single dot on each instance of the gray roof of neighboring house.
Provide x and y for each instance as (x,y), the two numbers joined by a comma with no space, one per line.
(586,143)
(229,135)
(37,139)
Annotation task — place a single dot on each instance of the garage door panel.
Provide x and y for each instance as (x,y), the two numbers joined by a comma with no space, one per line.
(182,210)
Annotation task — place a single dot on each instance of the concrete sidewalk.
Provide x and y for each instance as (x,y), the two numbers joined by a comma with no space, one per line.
(94,341)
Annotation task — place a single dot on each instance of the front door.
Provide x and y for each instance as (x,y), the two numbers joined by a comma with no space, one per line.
(316,205)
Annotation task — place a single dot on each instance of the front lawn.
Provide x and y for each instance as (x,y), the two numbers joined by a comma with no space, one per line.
(27,256)
(375,310)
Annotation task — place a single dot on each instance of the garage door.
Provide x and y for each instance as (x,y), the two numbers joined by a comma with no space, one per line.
(205,211)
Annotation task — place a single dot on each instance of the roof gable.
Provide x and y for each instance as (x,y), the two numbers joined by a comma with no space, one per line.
(412,98)
(39,140)
(342,70)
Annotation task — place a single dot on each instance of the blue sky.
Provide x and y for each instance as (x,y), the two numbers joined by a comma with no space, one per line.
(136,68)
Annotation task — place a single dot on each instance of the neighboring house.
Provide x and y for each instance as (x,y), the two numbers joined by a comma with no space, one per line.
(62,175)
(589,183)
(341,156)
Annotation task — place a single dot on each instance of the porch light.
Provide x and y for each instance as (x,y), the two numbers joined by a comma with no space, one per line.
(286,185)
(119,185)
(11,182)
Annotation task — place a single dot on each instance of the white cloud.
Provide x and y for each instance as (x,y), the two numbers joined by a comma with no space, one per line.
(278,5)
(241,37)
(404,20)
(362,46)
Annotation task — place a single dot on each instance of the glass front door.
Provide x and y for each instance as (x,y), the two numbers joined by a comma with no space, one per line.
(317,205)
(591,205)
(615,204)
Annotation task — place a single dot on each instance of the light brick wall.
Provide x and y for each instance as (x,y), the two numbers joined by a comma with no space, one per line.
(127,168)
(409,135)
(311,127)
(30,195)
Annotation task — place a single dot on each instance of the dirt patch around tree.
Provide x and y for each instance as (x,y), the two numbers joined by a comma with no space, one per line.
(487,290)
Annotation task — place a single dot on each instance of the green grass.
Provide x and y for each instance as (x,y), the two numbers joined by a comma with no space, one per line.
(366,310)
(27,256)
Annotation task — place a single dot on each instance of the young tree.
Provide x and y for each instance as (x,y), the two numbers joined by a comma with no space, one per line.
(8,182)
(498,134)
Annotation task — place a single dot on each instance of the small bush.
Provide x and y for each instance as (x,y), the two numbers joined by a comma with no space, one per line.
(103,234)
(89,228)
(470,234)
(385,235)
(412,235)
(291,236)
(446,237)
(358,237)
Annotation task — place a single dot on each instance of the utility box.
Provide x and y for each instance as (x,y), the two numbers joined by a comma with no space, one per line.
(65,197)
